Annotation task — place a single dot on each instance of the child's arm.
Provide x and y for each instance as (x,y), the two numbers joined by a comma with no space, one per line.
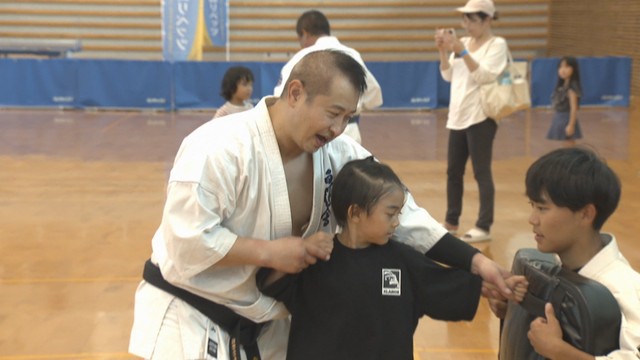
(498,307)
(545,336)
(498,303)
(573,113)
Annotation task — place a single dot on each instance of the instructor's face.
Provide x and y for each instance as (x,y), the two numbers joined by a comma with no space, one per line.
(326,116)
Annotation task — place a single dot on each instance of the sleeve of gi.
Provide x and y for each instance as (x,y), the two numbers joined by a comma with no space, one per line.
(200,194)
(372,97)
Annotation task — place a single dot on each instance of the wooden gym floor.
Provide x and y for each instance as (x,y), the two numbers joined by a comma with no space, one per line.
(81,194)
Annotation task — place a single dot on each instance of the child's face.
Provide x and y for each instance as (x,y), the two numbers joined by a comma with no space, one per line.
(244,90)
(380,224)
(565,71)
(555,228)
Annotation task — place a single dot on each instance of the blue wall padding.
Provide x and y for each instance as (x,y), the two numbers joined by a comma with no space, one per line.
(606,81)
(85,83)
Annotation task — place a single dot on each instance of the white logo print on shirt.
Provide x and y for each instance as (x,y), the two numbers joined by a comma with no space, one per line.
(391,281)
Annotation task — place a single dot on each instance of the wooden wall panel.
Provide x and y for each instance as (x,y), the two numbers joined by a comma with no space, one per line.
(111,29)
(381,30)
(264,30)
(597,28)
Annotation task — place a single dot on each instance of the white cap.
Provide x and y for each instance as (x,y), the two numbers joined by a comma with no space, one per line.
(473,6)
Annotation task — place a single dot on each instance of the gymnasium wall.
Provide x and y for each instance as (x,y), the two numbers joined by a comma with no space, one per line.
(597,28)
(382,30)
(264,30)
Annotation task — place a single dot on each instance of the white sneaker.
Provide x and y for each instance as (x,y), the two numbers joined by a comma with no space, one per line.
(476,235)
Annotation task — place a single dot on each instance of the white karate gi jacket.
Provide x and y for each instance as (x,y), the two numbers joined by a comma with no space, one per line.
(611,269)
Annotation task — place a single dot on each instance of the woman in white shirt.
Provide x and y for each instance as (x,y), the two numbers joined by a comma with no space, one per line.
(468,63)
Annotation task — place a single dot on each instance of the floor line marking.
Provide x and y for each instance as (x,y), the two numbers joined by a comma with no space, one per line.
(454,350)
(69,356)
(67,280)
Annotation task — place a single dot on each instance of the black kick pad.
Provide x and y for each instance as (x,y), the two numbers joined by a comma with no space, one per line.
(587,311)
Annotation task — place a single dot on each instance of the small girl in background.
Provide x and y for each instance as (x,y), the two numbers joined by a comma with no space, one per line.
(564,100)
(237,87)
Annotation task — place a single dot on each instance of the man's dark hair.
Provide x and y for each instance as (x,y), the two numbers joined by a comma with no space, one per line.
(231,78)
(313,22)
(573,178)
(317,70)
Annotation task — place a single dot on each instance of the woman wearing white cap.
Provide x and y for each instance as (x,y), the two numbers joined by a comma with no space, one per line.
(468,63)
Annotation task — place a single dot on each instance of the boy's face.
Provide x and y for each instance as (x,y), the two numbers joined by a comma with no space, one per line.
(305,40)
(556,228)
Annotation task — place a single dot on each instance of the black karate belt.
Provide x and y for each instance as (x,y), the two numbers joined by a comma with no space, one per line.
(588,313)
(242,331)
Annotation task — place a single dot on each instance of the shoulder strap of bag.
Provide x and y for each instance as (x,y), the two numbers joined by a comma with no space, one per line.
(489,45)
(509,58)
(512,69)
(515,72)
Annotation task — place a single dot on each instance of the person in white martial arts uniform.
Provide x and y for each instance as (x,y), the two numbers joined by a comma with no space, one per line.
(247,191)
(314,33)
(572,193)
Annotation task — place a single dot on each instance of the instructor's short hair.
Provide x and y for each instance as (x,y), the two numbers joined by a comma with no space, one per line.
(317,69)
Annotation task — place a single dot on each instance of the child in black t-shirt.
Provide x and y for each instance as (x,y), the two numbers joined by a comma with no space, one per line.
(365,302)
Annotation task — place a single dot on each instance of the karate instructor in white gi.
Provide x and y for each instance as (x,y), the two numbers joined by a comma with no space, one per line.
(243,192)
